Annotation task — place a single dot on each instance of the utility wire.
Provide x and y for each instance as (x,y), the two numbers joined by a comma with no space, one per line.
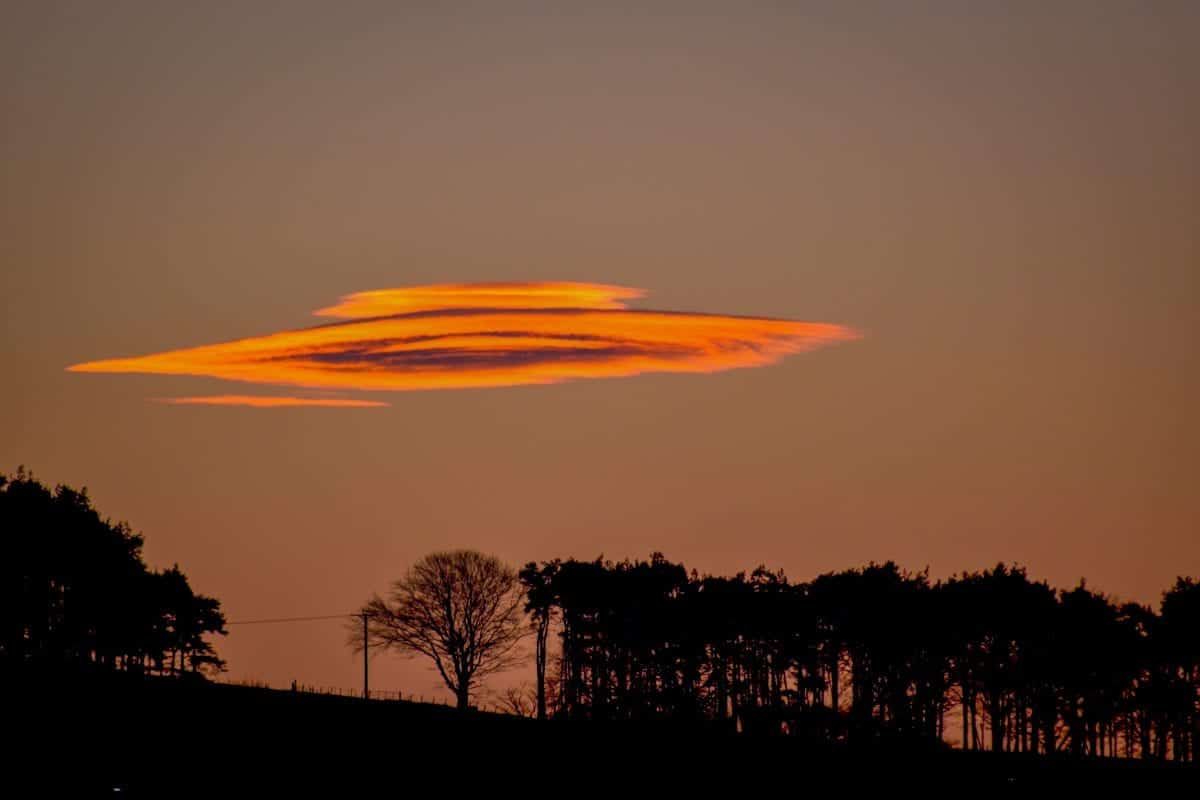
(291,619)
(366,692)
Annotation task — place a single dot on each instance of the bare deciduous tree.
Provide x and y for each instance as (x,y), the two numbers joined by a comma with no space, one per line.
(520,701)
(460,609)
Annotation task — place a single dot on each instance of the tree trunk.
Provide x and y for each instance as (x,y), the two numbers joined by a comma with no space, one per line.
(835,681)
(997,720)
(966,717)
(542,635)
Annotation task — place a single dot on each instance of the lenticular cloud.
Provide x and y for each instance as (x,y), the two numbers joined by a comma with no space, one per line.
(458,336)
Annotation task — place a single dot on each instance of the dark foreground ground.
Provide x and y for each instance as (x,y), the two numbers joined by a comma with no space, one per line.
(119,736)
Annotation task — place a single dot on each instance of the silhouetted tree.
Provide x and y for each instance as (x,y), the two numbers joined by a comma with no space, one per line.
(74,590)
(520,701)
(460,609)
(1000,628)
(538,583)
(1180,663)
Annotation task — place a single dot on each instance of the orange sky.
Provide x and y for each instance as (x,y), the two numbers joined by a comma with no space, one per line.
(1001,200)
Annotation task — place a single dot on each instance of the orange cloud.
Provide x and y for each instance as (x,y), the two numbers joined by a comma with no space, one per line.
(486,335)
(381,302)
(260,401)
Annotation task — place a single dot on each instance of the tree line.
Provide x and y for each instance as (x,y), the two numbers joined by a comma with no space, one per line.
(75,591)
(991,659)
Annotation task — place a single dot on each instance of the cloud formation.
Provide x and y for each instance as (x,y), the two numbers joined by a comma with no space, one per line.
(266,401)
(383,302)
(458,336)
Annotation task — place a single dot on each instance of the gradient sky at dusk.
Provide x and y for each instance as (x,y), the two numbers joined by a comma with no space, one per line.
(1003,200)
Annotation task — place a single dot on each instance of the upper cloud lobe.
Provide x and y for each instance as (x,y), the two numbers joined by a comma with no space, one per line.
(485,335)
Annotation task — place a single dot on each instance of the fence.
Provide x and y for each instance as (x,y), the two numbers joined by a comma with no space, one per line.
(339,691)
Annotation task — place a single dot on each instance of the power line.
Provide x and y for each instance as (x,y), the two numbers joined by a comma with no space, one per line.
(291,619)
(366,691)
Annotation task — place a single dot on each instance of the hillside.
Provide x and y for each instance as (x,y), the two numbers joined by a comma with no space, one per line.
(147,736)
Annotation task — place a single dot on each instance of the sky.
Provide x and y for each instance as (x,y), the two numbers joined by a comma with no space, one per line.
(999,202)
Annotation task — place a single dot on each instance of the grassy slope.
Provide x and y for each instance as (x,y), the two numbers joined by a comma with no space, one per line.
(163,737)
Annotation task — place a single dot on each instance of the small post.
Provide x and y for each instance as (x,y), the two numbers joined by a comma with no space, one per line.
(366,646)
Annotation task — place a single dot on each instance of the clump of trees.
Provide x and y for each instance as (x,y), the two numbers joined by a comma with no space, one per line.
(74,591)
(992,658)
